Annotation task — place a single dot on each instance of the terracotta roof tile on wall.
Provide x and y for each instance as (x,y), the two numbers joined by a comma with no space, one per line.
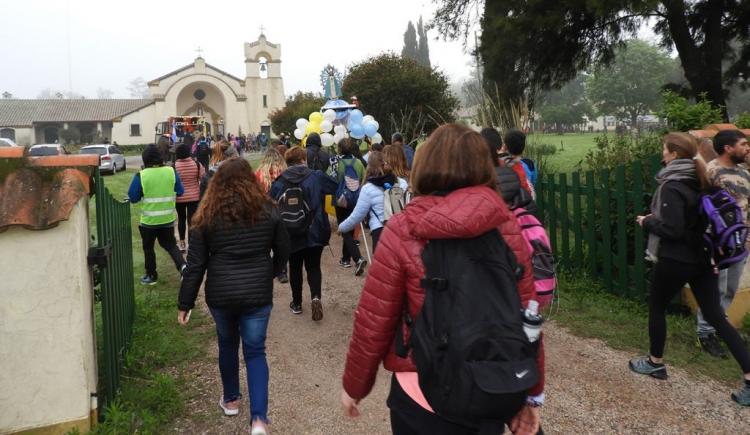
(18,113)
(39,192)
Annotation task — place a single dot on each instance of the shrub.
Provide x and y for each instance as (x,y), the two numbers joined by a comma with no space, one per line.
(742,120)
(683,116)
(621,149)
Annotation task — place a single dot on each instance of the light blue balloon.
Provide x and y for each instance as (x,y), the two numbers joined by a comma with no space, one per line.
(371,129)
(356,116)
(357,131)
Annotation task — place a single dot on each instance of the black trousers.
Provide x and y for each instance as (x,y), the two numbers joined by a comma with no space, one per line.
(185,212)
(165,235)
(310,259)
(375,234)
(409,418)
(669,278)
(349,249)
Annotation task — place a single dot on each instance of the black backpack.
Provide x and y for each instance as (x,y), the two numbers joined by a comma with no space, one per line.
(295,210)
(205,179)
(473,358)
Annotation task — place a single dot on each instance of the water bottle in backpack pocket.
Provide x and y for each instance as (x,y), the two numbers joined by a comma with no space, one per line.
(473,358)
(542,260)
(347,192)
(726,232)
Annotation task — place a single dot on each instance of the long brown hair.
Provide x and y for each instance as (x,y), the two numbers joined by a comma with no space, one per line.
(233,196)
(376,165)
(396,159)
(272,165)
(219,149)
(449,160)
(686,147)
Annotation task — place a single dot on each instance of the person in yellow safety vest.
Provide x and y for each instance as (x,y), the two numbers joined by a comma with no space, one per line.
(157,187)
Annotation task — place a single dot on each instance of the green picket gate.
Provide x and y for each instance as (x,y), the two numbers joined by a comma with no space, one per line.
(590,218)
(114,259)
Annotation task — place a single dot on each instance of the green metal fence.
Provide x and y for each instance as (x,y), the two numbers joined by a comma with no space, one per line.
(590,217)
(114,259)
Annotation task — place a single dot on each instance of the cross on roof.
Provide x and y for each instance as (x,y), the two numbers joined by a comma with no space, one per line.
(199,50)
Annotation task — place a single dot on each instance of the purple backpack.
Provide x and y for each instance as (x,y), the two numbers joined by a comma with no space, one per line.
(726,232)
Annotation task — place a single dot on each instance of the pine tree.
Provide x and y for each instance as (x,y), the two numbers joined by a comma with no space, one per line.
(410,43)
(423,49)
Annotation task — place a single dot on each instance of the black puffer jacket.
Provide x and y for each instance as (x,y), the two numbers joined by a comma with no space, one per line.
(510,188)
(239,263)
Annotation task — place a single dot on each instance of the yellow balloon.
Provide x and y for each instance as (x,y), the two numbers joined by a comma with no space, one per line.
(310,128)
(316,118)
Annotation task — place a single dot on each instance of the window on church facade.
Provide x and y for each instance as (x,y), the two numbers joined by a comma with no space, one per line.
(135,129)
(265,101)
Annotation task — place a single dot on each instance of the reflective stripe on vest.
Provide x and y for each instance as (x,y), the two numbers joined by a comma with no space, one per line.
(159,198)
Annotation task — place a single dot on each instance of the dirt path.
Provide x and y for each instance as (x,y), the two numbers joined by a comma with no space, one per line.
(589,388)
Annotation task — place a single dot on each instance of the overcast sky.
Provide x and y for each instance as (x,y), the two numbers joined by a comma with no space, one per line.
(111,43)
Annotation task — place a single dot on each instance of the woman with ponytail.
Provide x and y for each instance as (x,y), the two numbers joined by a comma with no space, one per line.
(675,244)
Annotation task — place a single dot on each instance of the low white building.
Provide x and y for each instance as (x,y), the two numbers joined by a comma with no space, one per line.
(227,102)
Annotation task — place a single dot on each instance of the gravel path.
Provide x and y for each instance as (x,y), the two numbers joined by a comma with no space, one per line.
(589,388)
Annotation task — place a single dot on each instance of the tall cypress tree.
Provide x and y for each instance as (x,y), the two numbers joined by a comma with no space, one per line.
(423,50)
(410,43)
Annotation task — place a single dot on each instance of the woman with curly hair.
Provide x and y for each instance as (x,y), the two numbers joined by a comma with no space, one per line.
(269,169)
(233,234)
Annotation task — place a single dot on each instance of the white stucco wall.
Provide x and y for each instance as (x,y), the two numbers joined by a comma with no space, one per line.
(145,117)
(47,359)
(23,135)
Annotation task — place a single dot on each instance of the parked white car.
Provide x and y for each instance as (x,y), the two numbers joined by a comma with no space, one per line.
(111,158)
(4,142)
(47,149)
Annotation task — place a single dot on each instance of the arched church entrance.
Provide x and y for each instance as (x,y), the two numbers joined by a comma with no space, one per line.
(203,99)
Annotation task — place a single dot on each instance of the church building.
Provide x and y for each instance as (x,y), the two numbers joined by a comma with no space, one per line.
(230,104)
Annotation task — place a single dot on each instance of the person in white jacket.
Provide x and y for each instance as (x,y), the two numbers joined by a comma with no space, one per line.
(370,203)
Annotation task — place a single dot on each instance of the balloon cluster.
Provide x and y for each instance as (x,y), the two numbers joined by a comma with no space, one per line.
(357,126)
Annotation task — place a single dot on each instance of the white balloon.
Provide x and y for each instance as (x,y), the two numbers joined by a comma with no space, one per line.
(326,139)
(367,119)
(338,136)
(339,129)
(302,124)
(329,114)
(377,138)
(299,133)
(326,126)
(377,125)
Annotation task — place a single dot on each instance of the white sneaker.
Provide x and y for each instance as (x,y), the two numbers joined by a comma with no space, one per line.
(259,428)
(228,411)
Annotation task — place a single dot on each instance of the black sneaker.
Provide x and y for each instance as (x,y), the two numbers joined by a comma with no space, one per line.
(317,309)
(711,345)
(148,280)
(283,278)
(345,264)
(295,308)
(644,366)
(361,263)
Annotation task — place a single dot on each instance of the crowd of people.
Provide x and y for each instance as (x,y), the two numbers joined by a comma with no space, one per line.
(248,227)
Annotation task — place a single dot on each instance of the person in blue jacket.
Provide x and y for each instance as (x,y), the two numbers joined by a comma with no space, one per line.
(370,203)
(306,249)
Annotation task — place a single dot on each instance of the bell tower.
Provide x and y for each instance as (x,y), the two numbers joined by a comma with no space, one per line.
(264,86)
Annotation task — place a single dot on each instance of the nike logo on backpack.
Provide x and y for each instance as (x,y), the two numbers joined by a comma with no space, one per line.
(522,374)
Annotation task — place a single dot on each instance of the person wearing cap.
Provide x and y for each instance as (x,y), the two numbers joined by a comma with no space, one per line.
(157,187)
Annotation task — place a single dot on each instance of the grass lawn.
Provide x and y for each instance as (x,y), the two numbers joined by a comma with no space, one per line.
(623,324)
(571,148)
(154,386)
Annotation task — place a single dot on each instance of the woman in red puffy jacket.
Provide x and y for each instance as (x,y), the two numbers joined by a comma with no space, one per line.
(456,199)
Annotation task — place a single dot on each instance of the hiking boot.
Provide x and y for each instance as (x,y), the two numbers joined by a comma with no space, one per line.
(361,263)
(317,309)
(345,264)
(283,278)
(644,366)
(148,280)
(712,346)
(743,396)
(295,308)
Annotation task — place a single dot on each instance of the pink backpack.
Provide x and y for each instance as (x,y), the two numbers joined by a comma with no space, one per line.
(542,260)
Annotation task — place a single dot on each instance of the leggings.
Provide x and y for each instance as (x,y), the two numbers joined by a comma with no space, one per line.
(310,259)
(349,249)
(669,278)
(185,212)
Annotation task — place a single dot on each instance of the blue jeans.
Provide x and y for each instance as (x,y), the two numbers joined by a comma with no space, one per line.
(250,325)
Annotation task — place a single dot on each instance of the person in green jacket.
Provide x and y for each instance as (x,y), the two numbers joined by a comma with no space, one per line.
(157,187)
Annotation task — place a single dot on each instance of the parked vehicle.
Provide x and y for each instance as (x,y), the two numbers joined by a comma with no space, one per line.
(47,149)
(4,142)
(111,157)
